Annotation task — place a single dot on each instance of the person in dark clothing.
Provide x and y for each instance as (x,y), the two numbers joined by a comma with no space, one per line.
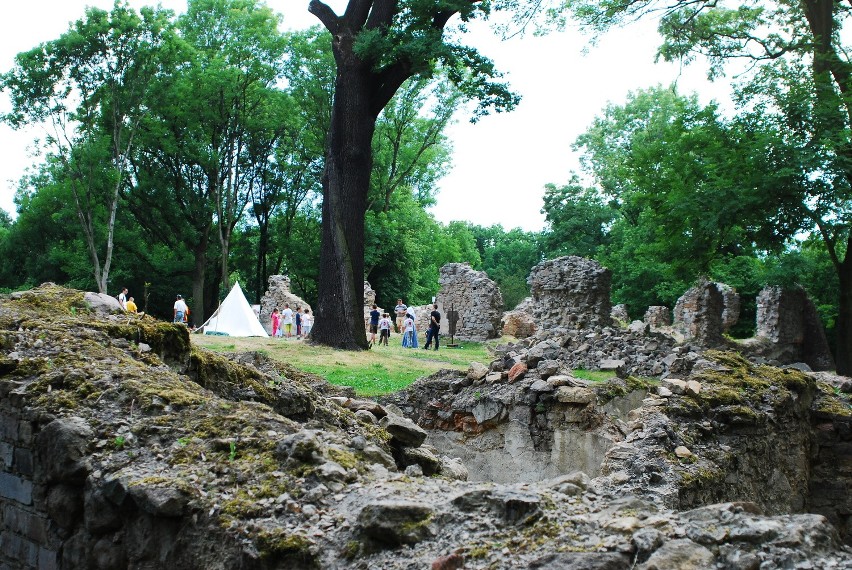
(434,328)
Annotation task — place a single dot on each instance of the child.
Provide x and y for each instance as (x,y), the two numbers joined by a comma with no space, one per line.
(408,338)
(298,322)
(307,323)
(276,322)
(384,329)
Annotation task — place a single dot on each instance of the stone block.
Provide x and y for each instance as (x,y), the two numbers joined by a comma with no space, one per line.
(574,395)
(23,461)
(48,559)
(7,453)
(16,489)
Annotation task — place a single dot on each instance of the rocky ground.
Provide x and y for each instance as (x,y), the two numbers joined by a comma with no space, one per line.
(151,453)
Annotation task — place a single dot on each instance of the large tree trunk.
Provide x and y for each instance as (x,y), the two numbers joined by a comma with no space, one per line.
(843,328)
(199,274)
(346,181)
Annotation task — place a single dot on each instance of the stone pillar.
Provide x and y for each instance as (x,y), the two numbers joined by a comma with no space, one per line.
(788,320)
(619,313)
(571,292)
(475,298)
(698,314)
(658,316)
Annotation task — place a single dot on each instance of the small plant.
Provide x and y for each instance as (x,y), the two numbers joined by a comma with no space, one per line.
(233,454)
(119,442)
(182,441)
(477,394)
(73,310)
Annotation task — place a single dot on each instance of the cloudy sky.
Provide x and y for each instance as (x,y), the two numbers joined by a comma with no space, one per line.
(500,164)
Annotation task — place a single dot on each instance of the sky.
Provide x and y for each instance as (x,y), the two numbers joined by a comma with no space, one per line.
(500,164)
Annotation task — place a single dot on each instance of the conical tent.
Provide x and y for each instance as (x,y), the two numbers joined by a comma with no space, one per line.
(234,317)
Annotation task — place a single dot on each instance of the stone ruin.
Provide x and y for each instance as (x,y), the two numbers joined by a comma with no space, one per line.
(789,328)
(519,322)
(475,298)
(570,291)
(276,296)
(122,446)
(657,317)
(702,313)
(619,313)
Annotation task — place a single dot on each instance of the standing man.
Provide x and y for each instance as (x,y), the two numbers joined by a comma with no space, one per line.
(400,310)
(180,310)
(434,327)
(122,298)
(374,323)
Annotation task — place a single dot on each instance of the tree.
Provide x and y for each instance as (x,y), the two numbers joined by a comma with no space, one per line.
(800,44)
(578,219)
(105,65)
(377,46)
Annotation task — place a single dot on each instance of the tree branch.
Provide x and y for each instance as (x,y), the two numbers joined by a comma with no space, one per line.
(325,15)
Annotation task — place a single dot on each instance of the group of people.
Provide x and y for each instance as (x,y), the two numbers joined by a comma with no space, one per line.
(127,302)
(406,323)
(283,322)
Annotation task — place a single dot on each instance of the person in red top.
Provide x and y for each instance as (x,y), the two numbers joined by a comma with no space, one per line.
(276,322)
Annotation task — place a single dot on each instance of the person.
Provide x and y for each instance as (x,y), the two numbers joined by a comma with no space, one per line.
(122,298)
(131,307)
(298,322)
(409,336)
(410,313)
(276,322)
(384,329)
(374,323)
(434,328)
(307,323)
(287,320)
(399,310)
(180,310)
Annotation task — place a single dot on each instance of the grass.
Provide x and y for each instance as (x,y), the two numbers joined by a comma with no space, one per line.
(381,370)
(594,375)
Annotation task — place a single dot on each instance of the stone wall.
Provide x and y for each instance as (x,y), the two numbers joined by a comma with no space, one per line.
(788,321)
(276,296)
(570,292)
(619,313)
(698,314)
(475,298)
(26,540)
(658,316)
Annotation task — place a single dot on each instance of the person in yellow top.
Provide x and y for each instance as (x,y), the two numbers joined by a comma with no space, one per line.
(131,306)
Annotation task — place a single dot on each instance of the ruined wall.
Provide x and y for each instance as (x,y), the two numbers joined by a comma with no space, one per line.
(276,296)
(657,316)
(788,321)
(475,298)
(698,314)
(25,540)
(570,292)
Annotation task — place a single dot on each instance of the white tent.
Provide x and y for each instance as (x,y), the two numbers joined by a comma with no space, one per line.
(234,317)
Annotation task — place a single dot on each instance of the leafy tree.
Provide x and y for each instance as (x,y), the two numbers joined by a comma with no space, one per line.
(105,65)
(377,46)
(578,220)
(799,44)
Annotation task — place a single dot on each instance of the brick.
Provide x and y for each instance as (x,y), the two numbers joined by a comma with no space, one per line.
(7,451)
(23,461)
(8,427)
(16,489)
(48,559)
(25,432)
(20,521)
(18,548)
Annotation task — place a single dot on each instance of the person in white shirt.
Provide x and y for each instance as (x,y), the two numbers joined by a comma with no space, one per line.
(384,329)
(122,298)
(307,323)
(287,320)
(180,309)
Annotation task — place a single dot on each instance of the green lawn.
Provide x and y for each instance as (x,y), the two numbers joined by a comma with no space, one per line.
(373,372)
